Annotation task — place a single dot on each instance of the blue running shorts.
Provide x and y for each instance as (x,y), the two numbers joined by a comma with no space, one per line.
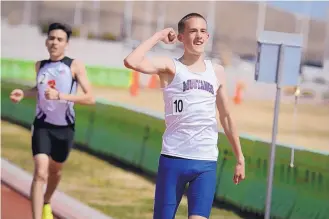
(174,174)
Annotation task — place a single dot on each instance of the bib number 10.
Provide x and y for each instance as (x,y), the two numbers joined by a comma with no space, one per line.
(178,106)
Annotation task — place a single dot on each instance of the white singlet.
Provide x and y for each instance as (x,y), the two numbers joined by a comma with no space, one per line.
(190,114)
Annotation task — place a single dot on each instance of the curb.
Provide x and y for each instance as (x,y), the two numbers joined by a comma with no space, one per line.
(63,205)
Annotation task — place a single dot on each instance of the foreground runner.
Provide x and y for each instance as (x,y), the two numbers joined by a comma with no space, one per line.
(192,87)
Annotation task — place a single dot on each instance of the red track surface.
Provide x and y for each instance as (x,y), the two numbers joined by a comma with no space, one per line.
(14,205)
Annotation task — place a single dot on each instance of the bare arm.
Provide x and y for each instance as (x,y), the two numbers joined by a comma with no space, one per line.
(225,116)
(87,97)
(32,92)
(137,61)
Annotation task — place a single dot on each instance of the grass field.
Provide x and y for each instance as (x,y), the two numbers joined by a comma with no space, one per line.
(106,187)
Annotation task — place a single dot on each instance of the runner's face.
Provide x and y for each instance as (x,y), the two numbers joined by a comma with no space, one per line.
(56,42)
(195,35)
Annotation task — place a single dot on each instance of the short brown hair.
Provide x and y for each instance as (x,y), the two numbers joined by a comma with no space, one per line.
(181,23)
(60,26)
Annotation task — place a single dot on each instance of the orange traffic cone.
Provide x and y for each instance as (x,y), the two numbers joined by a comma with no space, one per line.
(238,93)
(153,82)
(134,86)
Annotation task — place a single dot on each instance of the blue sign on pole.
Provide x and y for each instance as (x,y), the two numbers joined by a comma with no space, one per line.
(278,53)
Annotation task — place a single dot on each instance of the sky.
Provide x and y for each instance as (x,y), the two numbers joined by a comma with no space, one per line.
(317,9)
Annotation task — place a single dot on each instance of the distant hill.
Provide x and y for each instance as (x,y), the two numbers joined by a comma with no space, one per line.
(236,22)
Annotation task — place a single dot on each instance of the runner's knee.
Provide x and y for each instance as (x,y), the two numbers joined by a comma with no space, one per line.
(41,162)
(55,169)
(41,174)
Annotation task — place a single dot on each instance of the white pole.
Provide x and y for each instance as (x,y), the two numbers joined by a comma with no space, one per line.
(78,14)
(128,10)
(96,5)
(298,29)
(27,12)
(296,95)
(306,24)
(326,48)
(161,15)
(274,136)
(261,17)
(211,24)
(304,30)
(148,19)
(298,19)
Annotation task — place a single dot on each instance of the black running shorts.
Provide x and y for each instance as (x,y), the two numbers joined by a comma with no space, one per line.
(55,141)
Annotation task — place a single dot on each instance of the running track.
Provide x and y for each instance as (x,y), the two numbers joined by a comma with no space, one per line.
(15,186)
(14,205)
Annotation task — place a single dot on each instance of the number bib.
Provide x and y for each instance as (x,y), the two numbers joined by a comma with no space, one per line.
(178,105)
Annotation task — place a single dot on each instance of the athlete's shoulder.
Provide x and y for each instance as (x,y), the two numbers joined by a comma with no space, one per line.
(219,72)
(217,67)
(67,61)
(37,65)
(165,61)
(42,63)
(78,68)
(76,63)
